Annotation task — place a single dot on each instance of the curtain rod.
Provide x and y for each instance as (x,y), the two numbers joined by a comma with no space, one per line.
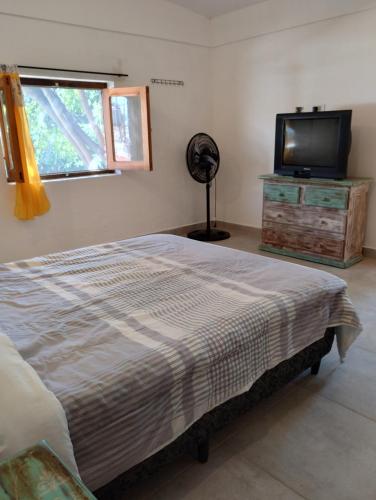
(74,71)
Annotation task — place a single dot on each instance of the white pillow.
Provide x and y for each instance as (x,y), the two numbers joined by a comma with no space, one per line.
(29,412)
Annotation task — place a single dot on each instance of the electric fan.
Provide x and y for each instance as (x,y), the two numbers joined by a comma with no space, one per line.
(203,163)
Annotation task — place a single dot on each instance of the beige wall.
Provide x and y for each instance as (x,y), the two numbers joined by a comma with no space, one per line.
(329,63)
(89,211)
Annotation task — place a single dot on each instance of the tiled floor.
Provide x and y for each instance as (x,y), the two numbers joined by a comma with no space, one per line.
(315,439)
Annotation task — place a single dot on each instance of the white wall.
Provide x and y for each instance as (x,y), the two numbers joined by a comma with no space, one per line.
(328,62)
(261,64)
(151,18)
(89,211)
(271,16)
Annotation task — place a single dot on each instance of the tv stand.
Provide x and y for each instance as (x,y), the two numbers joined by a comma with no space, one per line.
(320,220)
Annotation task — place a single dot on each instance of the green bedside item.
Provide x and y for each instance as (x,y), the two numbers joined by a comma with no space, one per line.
(38,474)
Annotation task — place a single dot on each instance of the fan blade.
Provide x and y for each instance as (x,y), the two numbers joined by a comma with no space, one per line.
(202,158)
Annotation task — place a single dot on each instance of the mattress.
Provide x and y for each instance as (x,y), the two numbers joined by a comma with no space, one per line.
(139,338)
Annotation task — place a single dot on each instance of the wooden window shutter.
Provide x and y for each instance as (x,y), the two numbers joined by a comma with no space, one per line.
(9,137)
(127,128)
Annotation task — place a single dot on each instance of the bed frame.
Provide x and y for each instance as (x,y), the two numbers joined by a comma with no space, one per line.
(197,438)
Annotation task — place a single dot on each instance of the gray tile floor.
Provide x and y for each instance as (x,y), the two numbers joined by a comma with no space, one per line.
(315,439)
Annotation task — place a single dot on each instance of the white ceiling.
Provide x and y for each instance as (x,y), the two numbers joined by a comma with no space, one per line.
(213,8)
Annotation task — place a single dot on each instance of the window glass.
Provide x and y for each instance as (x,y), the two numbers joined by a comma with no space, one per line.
(66,127)
(127,128)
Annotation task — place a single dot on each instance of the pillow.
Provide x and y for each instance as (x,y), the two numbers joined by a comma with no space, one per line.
(29,412)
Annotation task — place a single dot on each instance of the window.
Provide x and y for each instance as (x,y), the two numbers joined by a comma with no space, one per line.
(84,128)
(128,134)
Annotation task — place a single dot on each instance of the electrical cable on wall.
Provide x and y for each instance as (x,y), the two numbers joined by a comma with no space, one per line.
(215,202)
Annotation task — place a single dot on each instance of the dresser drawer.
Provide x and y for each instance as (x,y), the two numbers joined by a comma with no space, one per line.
(306,216)
(326,197)
(281,192)
(307,241)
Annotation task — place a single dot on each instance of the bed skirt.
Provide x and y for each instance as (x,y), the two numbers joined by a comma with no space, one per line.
(195,439)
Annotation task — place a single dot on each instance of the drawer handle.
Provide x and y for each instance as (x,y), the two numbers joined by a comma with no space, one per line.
(281,195)
(326,200)
(323,222)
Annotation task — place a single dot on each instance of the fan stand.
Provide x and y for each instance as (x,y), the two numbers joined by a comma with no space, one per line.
(208,234)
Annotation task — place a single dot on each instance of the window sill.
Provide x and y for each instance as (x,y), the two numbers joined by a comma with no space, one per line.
(77,178)
(82,177)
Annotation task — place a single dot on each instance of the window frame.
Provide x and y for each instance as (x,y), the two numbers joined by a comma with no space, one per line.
(10,148)
(143,93)
(74,84)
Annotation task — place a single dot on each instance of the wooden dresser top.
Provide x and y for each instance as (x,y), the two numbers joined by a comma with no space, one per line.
(349,182)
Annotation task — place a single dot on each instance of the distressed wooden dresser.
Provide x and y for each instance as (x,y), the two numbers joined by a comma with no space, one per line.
(319,220)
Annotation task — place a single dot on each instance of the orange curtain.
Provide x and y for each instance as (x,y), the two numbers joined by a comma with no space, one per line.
(31,198)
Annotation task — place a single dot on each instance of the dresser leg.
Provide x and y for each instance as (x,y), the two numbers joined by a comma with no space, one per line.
(315,368)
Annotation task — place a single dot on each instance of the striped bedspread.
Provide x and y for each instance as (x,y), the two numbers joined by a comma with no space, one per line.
(138,339)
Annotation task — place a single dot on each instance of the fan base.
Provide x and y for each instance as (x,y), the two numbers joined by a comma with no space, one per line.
(212,235)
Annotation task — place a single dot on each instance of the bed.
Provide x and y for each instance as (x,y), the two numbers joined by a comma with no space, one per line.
(139,340)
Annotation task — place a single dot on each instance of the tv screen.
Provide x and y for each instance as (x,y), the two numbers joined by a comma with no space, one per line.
(313,144)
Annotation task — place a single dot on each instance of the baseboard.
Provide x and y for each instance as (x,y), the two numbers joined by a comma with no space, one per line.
(183,230)
(239,227)
(369,252)
(219,223)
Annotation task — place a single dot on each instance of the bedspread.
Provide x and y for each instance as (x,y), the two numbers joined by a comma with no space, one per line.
(138,339)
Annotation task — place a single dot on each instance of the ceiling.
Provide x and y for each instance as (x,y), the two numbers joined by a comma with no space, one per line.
(213,8)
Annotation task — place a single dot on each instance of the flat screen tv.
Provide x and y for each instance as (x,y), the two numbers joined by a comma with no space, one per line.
(313,144)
